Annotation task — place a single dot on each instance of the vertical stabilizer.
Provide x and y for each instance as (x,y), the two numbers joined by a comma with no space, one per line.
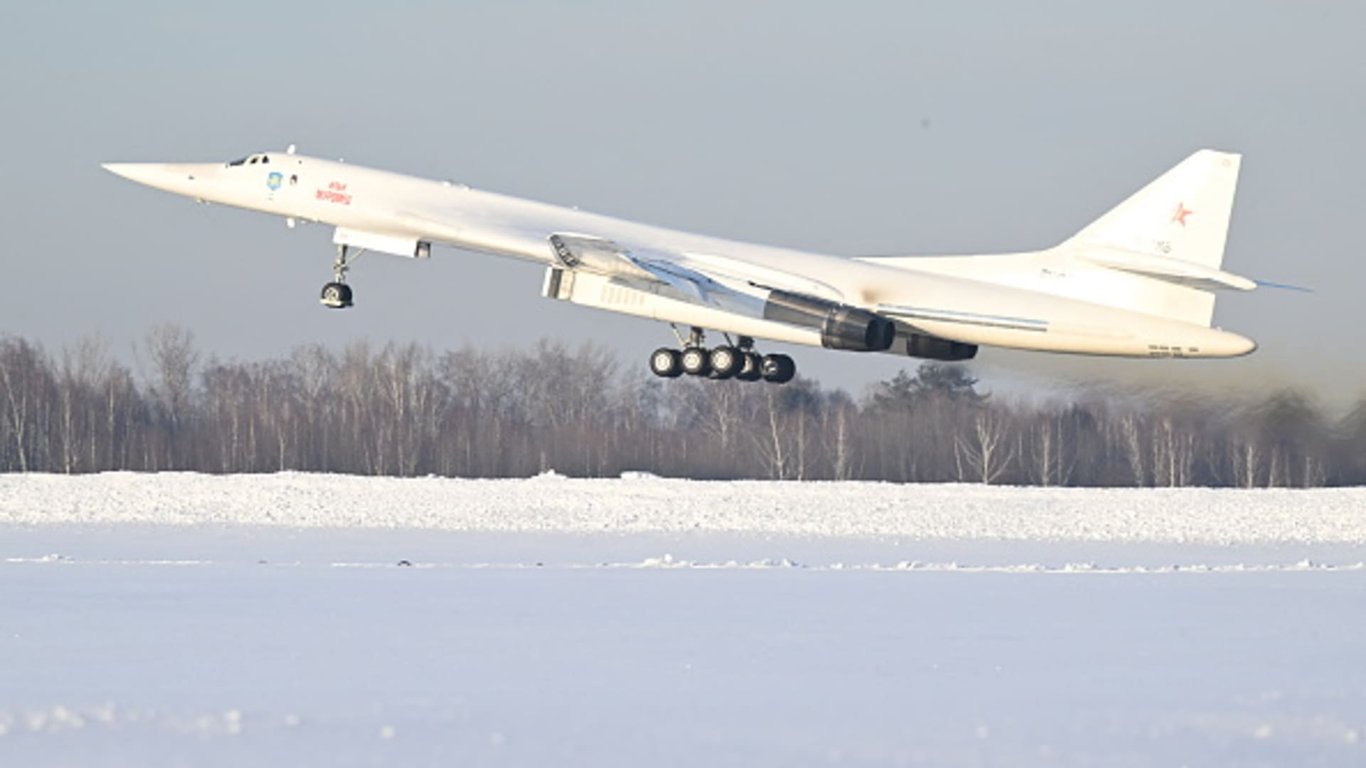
(1159,252)
(1183,215)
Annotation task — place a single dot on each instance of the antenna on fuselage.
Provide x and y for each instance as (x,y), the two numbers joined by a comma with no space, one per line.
(290,151)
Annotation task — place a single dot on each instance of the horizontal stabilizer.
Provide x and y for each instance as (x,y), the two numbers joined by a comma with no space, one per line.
(1282,286)
(1185,273)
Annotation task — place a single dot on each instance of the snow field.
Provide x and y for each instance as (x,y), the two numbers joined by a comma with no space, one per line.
(180,619)
(221,663)
(555,504)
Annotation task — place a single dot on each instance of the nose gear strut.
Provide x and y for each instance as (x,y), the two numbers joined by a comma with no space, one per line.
(337,294)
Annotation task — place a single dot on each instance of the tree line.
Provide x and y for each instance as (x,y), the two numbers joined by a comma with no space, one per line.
(407,410)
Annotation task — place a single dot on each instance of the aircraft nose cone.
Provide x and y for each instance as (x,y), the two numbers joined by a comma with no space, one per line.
(151,174)
(172,177)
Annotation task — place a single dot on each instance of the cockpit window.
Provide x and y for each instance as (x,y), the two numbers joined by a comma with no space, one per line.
(250,160)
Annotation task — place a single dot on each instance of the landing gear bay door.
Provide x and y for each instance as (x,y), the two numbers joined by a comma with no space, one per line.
(377,242)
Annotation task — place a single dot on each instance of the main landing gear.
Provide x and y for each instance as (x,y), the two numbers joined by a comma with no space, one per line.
(739,361)
(337,294)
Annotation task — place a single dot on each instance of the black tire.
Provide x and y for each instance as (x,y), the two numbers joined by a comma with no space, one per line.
(753,369)
(726,362)
(778,369)
(336,295)
(665,363)
(696,361)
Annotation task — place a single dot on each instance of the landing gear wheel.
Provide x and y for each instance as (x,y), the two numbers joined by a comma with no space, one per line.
(726,362)
(752,368)
(696,361)
(666,363)
(336,296)
(778,369)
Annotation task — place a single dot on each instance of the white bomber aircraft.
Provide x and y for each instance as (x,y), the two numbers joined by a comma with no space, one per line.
(1138,282)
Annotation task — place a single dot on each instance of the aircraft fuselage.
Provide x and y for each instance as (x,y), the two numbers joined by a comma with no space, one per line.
(377,204)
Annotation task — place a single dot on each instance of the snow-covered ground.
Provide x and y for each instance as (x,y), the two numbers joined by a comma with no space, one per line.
(315,620)
(555,504)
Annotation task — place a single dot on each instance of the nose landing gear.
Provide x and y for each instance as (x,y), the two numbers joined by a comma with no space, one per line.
(739,362)
(337,294)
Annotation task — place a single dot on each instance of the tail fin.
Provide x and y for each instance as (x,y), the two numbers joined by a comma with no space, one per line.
(1183,215)
(1158,252)
(1171,232)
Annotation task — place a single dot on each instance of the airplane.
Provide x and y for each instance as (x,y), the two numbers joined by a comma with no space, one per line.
(1139,281)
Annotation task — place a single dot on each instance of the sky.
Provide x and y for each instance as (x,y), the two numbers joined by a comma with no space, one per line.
(847,128)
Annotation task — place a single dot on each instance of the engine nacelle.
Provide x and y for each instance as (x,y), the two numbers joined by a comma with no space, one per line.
(935,348)
(841,326)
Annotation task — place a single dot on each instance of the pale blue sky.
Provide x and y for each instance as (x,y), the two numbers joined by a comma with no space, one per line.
(853,128)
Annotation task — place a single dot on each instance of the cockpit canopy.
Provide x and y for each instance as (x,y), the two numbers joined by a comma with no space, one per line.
(257,159)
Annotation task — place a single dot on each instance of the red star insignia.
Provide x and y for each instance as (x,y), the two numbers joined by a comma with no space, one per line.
(1180,214)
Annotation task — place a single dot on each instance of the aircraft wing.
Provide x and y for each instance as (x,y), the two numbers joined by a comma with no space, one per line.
(703,278)
(748,297)
(684,280)
(698,285)
(757,276)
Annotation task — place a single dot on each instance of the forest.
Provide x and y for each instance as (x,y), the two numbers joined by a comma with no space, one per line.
(405,410)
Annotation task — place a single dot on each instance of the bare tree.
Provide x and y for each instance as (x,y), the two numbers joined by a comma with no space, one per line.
(840,415)
(987,449)
(402,410)
(22,374)
(1045,445)
(171,351)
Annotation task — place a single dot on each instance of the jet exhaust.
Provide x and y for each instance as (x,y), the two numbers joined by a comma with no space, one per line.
(841,326)
(935,348)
